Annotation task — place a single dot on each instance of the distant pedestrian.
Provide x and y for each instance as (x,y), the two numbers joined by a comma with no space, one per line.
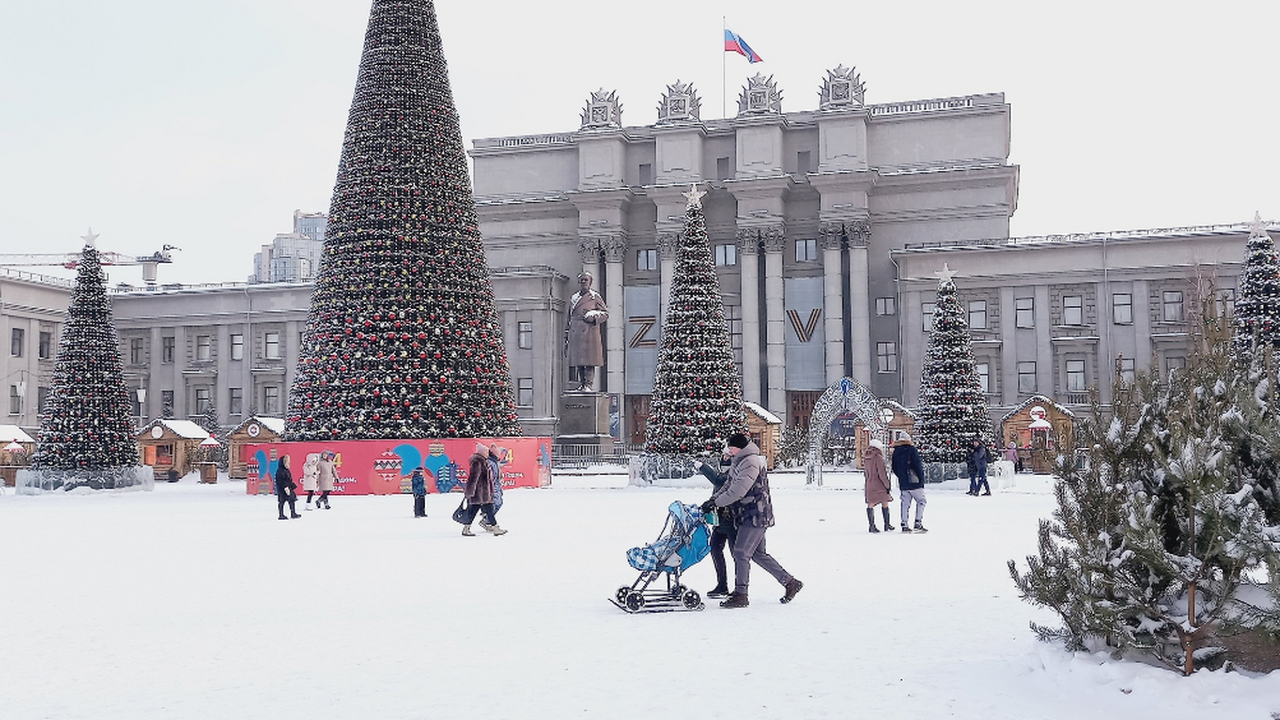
(1011,454)
(325,477)
(310,476)
(979,456)
(877,490)
(286,489)
(910,471)
(419,484)
(479,492)
(746,494)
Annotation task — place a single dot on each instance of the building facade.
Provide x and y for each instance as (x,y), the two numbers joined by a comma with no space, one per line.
(293,256)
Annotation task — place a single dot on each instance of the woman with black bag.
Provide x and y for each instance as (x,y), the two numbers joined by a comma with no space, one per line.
(286,489)
(479,493)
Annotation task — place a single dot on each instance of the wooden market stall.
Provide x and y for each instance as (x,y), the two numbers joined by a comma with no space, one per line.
(1040,428)
(256,429)
(898,420)
(764,428)
(16,447)
(168,444)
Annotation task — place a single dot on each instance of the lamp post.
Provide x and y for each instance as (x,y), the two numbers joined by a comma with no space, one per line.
(21,387)
(142,399)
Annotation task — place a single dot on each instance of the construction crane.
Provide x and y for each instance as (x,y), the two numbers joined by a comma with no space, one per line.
(71,261)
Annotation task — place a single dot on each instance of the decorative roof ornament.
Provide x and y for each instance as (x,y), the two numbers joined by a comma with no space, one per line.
(679,103)
(843,88)
(602,111)
(760,97)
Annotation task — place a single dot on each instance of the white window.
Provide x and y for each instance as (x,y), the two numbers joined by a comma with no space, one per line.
(726,255)
(647,259)
(271,399)
(1027,377)
(15,401)
(1024,310)
(135,351)
(984,376)
(204,348)
(524,392)
(1122,308)
(1072,310)
(1224,303)
(1075,376)
(886,306)
(977,314)
(18,341)
(271,345)
(1171,302)
(236,401)
(1126,368)
(926,312)
(202,399)
(806,250)
(524,334)
(887,357)
(237,347)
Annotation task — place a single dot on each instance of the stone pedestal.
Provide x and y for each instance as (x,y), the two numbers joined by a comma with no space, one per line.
(584,419)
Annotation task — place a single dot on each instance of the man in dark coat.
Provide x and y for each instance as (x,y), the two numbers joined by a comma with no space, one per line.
(747,495)
(910,471)
(583,344)
(979,456)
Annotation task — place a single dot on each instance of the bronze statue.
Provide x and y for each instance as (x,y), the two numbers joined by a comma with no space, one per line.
(583,344)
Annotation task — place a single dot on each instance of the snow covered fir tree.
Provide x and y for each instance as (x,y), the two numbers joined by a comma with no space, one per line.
(86,426)
(402,339)
(697,394)
(1161,541)
(953,408)
(1257,306)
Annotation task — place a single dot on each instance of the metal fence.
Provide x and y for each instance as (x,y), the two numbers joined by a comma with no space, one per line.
(567,456)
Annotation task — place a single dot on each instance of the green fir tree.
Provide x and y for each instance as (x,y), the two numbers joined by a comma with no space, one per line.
(1257,305)
(402,339)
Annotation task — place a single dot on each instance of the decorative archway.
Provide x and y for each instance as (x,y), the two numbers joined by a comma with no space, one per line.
(844,397)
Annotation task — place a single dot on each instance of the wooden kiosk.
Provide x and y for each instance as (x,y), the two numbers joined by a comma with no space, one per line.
(167,444)
(16,447)
(1041,428)
(764,428)
(256,429)
(897,419)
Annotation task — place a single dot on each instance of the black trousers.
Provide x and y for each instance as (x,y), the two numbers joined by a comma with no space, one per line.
(419,505)
(282,499)
(487,508)
(724,534)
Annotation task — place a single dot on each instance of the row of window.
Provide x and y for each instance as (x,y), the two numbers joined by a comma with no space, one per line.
(271,348)
(1172,309)
(726,255)
(271,405)
(18,344)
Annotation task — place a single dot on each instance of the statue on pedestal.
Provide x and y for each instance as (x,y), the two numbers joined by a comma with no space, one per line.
(583,343)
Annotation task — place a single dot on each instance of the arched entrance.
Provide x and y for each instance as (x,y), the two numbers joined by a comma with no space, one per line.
(846,397)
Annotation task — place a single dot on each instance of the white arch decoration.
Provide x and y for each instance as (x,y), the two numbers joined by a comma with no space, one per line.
(845,396)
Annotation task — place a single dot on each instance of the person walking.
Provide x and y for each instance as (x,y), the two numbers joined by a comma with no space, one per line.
(419,484)
(325,477)
(286,489)
(877,490)
(310,477)
(910,471)
(747,494)
(497,458)
(724,532)
(979,456)
(1011,454)
(479,492)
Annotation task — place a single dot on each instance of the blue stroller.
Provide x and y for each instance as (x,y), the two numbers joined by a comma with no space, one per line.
(684,540)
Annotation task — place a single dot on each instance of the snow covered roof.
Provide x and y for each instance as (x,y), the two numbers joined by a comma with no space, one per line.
(1036,400)
(274,424)
(184,428)
(899,408)
(762,413)
(13,433)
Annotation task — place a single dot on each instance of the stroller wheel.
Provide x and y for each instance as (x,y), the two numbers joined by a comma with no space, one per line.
(621,595)
(678,590)
(692,600)
(635,601)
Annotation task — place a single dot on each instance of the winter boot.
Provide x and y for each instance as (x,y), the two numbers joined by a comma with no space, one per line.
(496,530)
(295,516)
(884,512)
(918,528)
(282,517)
(793,587)
(466,531)
(871,521)
(717,592)
(735,600)
(905,529)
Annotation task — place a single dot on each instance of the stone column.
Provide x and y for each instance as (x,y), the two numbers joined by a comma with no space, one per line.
(1008,378)
(1044,343)
(858,236)
(775,240)
(832,238)
(615,251)
(668,247)
(154,382)
(749,254)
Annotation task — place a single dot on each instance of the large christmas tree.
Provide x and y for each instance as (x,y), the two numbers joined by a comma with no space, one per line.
(402,340)
(1257,309)
(953,408)
(697,395)
(86,425)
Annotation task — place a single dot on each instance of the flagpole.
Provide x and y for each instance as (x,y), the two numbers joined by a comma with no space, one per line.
(724,82)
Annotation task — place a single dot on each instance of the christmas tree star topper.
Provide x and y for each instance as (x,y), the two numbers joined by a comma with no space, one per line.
(694,196)
(945,274)
(90,240)
(1257,226)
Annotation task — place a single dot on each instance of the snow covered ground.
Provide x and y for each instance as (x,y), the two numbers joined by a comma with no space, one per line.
(194,601)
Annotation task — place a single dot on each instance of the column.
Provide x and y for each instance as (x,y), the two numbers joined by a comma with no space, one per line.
(668,247)
(858,235)
(1008,377)
(181,352)
(153,381)
(775,239)
(1044,343)
(221,397)
(749,251)
(615,251)
(832,239)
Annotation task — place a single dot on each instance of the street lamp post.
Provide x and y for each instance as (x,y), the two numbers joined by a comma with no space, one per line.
(142,399)
(21,386)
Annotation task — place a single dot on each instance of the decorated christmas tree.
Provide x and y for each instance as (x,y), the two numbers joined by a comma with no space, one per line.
(953,408)
(1257,309)
(697,395)
(402,339)
(87,423)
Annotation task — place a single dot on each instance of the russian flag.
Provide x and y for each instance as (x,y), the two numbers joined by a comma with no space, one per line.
(734,43)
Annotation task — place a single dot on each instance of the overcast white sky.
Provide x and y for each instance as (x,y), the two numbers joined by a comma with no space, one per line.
(205,125)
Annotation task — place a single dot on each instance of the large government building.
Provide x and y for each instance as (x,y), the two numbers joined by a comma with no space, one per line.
(827,226)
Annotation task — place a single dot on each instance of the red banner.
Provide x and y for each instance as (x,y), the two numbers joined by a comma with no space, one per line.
(383,467)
